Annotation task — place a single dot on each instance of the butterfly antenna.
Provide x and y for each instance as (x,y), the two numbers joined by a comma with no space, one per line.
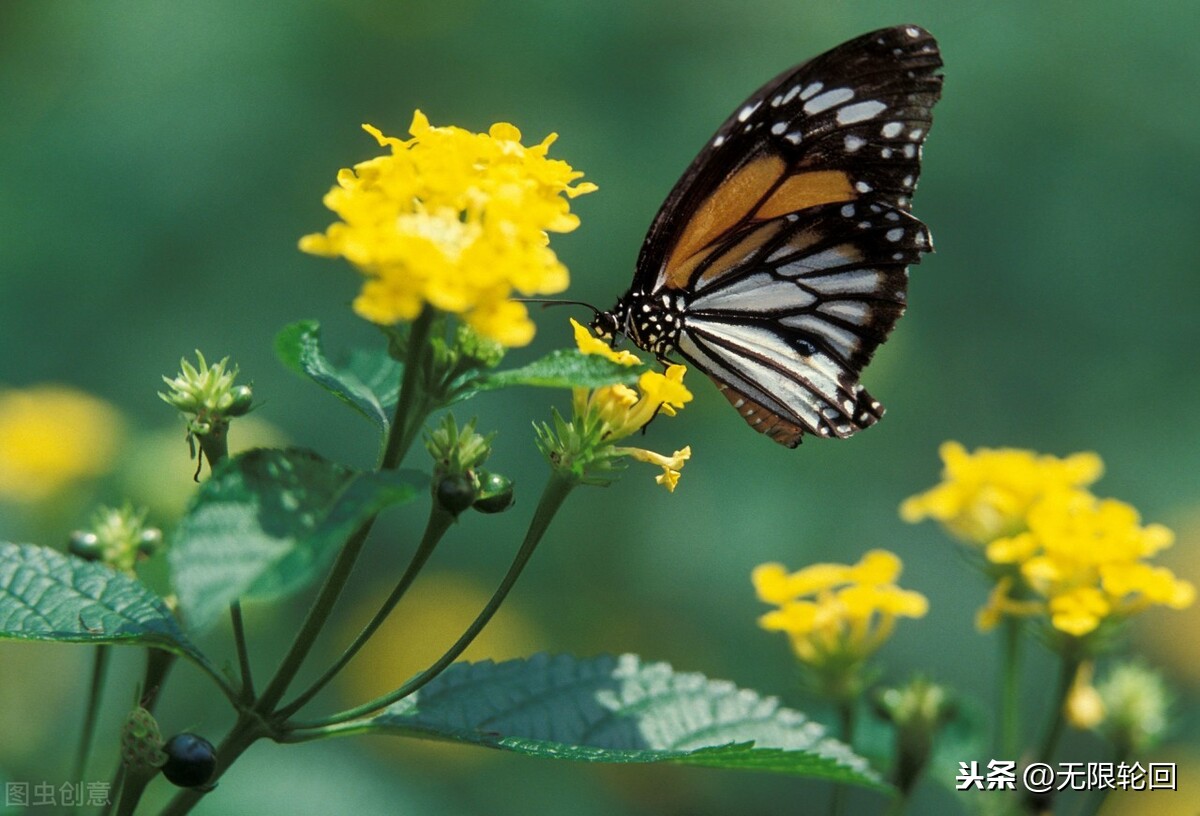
(548,302)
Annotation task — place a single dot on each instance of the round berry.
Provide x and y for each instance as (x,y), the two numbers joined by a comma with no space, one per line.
(455,492)
(191,760)
(495,493)
(85,545)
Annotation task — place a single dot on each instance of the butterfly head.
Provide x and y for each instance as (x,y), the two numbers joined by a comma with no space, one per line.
(609,325)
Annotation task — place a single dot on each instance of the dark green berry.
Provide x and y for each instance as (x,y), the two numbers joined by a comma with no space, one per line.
(455,492)
(85,545)
(191,760)
(495,493)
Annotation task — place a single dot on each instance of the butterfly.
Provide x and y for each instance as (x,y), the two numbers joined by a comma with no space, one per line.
(779,261)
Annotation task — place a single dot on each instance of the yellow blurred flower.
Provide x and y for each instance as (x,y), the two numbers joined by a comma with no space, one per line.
(837,614)
(52,436)
(456,220)
(1084,558)
(986,494)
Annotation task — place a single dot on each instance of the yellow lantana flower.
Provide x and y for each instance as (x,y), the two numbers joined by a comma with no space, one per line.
(987,494)
(454,220)
(837,615)
(52,436)
(605,415)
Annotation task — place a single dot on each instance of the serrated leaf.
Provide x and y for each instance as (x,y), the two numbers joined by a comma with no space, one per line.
(562,368)
(45,595)
(618,709)
(368,384)
(267,523)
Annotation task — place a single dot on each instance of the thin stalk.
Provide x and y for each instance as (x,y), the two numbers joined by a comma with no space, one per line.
(409,417)
(243,652)
(335,581)
(1070,664)
(131,792)
(411,410)
(846,723)
(1054,729)
(99,673)
(1010,686)
(439,522)
(557,489)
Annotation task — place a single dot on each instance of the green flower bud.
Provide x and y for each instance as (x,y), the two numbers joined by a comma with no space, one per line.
(242,399)
(149,542)
(918,711)
(457,450)
(118,536)
(485,351)
(1136,701)
(495,493)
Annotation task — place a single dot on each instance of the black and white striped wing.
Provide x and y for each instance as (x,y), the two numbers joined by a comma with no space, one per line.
(786,329)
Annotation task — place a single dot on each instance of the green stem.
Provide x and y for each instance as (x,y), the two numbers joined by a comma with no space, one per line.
(243,652)
(846,722)
(158,664)
(335,581)
(131,792)
(1054,729)
(99,673)
(1095,798)
(413,405)
(411,410)
(1010,687)
(1070,665)
(557,489)
(439,522)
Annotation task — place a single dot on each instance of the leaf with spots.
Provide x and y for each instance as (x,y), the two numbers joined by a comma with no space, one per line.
(268,522)
(617,709)
(48,596)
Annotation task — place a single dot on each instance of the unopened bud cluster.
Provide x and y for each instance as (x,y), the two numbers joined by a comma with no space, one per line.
(458,480)
(117,537)
(207,394)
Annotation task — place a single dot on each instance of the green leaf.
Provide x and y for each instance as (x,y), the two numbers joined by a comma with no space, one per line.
(45,595)
(368,384)
(618,709)
(267,523)
(563,368)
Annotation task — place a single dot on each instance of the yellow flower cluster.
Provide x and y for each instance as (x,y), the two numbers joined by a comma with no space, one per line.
(455,220)
(1062,552)
(837,614)
(51,437)
(987,494)
(614,412)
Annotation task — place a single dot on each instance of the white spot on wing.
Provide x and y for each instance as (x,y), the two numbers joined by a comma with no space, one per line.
(854,143)
(895,235)
(859,112)
(720,140)
(779,127)
(794,137)
(827,100)
(892,129)
(746,112)
(807,93)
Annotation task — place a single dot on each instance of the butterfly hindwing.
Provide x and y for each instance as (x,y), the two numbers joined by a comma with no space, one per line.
(778,263)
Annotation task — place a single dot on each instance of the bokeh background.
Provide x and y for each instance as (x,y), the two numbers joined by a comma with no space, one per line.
(158,162)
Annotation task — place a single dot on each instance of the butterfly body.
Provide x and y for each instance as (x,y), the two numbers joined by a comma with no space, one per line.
(778,263)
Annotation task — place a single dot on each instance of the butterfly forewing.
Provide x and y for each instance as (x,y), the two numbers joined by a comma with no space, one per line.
(783,249)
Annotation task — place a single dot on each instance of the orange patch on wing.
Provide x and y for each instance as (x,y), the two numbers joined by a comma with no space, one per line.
(737,254)
(805,190)
(733,200)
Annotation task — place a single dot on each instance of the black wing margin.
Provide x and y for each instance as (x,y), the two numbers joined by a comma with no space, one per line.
(862,108)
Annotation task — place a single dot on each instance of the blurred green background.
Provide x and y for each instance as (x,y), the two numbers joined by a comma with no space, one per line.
(158,162)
